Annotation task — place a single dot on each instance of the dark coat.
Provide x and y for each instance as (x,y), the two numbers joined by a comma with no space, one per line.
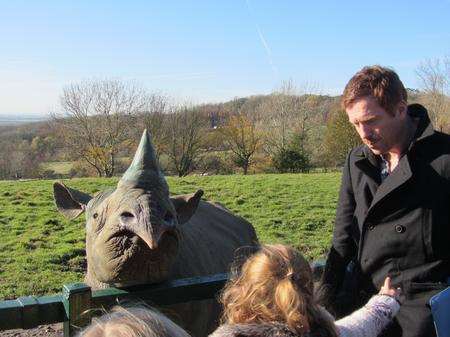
(399,227)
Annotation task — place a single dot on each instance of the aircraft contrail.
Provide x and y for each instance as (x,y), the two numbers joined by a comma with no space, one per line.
(263,41)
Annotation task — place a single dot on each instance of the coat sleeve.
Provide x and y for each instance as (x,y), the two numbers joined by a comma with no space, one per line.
(343,247)
(370,320)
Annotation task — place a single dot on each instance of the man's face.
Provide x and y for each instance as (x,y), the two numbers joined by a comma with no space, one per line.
(381,131)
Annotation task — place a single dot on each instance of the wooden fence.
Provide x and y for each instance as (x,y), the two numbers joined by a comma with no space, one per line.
(72,306)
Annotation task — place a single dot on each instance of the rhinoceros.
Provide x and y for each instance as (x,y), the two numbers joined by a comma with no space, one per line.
(138,234)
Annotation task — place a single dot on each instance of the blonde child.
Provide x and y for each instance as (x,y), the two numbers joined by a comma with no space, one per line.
(138,321)
(273,296)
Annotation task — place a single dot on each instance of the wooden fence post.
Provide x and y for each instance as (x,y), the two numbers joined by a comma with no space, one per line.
(77,302)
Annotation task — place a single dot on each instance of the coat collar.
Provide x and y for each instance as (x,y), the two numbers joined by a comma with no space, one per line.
(424,128)
(369,163)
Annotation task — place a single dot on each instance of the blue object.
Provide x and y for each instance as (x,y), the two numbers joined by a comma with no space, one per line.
(440,309)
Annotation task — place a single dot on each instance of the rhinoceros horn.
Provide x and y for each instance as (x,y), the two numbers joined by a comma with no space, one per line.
(144,171)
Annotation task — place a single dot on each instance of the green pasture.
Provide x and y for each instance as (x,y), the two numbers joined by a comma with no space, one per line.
(60,167)
(40,250)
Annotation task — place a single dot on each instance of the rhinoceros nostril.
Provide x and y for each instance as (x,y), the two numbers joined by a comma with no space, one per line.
(127,216)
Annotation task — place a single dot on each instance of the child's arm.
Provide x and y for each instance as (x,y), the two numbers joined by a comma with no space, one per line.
(371,319)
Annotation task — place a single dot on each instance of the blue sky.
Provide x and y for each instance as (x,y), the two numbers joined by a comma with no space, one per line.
(209,51)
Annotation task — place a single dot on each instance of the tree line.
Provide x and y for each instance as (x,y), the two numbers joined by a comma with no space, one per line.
(290,130)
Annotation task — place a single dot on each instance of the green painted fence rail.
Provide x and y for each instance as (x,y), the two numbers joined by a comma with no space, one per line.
(28,312)
(71,307)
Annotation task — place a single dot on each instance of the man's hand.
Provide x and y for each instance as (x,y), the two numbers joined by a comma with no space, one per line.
(388,290)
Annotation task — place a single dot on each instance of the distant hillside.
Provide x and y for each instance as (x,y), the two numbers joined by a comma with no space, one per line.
(16,119)
(29,123)
(216,111)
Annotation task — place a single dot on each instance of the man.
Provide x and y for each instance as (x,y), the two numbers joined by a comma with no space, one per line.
(393,215)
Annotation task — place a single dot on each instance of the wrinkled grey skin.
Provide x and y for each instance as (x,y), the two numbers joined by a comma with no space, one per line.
(137,234)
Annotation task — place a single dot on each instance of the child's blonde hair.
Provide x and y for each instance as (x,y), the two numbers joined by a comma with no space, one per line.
(137,321)
(275,285)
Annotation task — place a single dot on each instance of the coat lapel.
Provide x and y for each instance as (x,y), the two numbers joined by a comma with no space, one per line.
(368,164)
(401,174)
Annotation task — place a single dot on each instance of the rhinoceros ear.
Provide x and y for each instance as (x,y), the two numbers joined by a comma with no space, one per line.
(71,203)
(186,205)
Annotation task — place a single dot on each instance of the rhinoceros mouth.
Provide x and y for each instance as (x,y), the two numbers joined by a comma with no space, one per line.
(123,241)
(131,261)
(127,244)
(122,234)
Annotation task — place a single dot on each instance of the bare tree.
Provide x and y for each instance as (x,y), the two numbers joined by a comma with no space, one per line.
(96,118)
(434,76)
(242,136)
(287,113)
(277,116)
(184,135)
(154,119)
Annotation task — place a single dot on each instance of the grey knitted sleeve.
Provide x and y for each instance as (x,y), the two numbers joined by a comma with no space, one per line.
(370,320)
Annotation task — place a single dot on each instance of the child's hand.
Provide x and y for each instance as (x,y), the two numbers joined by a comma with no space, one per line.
(388,290)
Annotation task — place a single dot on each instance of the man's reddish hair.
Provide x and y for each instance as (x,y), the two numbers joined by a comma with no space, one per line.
(381,83)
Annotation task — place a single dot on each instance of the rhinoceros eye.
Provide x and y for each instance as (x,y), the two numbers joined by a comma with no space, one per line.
(95,216)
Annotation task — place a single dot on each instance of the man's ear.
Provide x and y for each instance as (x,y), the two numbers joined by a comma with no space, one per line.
(71,203)
(186,205)
(402,108)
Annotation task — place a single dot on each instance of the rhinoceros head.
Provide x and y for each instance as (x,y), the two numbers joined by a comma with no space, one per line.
(132,234)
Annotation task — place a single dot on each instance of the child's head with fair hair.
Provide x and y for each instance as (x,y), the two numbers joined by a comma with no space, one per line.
(275,285)
(138,321)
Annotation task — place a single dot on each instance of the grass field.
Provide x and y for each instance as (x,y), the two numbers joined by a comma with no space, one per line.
(60,167)
(40,250)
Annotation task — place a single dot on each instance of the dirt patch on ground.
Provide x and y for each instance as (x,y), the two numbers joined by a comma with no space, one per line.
(53,330)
